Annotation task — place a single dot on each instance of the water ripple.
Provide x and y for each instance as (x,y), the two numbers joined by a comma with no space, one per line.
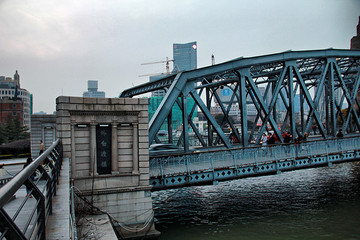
(320,203)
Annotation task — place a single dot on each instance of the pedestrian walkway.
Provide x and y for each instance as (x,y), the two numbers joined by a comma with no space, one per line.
(58,223)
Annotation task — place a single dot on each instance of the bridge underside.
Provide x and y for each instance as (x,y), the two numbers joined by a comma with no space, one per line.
(291,91)
(211,167)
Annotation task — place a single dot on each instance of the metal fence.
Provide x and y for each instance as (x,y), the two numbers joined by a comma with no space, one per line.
(73,227)
(234,158)
(26,218)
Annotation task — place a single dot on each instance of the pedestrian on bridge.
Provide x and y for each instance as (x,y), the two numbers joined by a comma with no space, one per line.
(299,139)
(305,137)
(41,147)
(32,177)
(264,139)
(314,129)
(287,137)
(340,134)
(271,138)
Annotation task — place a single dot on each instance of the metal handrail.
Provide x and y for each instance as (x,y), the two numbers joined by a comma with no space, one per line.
(9,189)
(43,207)
(176,165)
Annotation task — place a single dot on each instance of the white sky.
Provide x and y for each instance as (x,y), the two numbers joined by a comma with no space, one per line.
(57,46)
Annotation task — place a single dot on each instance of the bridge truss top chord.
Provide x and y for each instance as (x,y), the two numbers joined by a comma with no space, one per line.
(296,92)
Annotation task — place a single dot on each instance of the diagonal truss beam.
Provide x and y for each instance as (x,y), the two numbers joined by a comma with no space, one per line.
(350,99)
(312,74)
(166,105)
(211,119)
(266,109)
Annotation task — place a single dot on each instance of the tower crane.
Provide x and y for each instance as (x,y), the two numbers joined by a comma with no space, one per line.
(167,61)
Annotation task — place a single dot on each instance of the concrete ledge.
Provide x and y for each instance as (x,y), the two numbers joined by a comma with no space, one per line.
(97,227)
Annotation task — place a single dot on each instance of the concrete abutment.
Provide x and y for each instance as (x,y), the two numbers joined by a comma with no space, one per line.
(106,141)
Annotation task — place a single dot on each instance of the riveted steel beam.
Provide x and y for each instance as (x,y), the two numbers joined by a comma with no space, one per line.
(307,80)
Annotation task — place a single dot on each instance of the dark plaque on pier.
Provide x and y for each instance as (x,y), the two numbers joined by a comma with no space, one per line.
(103,149)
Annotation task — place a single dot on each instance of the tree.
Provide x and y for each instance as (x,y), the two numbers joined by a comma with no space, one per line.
(12,130)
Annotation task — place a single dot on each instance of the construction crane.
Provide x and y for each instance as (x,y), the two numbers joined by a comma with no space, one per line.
(167,61)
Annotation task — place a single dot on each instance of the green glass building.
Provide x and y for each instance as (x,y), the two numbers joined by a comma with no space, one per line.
(176,112)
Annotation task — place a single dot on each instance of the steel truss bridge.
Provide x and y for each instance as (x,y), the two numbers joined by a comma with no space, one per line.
(210,167)
(327,82)
(293,91)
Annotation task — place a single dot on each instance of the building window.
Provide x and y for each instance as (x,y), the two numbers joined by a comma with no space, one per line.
(14,114)
(103,147)
(14,106)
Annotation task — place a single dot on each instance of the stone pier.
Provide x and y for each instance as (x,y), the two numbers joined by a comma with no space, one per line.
(42,128)
(106,140)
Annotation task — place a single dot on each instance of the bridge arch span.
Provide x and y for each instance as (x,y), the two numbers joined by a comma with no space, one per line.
(313,92)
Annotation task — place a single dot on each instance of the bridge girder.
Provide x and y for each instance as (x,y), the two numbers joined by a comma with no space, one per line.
(326,81)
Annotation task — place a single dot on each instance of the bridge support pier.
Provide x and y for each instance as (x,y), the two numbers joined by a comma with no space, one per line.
(107,142)
(129,209)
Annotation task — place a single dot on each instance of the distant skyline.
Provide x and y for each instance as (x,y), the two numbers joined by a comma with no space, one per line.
(57,46)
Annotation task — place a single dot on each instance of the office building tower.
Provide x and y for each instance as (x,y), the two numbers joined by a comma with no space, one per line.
(11,109)
(185,56)
(355,41)
(10,91)
(93,90)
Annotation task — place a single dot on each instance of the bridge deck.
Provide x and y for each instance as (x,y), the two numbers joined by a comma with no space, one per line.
(59,222)
(221,165)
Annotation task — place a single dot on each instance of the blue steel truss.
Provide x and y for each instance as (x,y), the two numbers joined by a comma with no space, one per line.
(210,167)
(327,82)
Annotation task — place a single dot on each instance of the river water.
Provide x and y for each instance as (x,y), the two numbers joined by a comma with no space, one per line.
(320,203)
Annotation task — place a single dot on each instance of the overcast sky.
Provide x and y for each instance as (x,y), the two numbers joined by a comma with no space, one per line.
(58,45)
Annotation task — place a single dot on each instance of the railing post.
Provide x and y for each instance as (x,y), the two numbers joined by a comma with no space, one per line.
(9,229)
(73,234)
(41,208)
(161,168)
(233,154)
(50,187)
(215,182)
(187,164)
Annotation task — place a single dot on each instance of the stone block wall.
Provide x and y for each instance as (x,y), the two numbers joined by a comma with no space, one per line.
(130,206)
(76,119)
(106,140)
(43,128)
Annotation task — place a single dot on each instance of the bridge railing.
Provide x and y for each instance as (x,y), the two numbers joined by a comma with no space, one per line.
(217,159)
(27,219)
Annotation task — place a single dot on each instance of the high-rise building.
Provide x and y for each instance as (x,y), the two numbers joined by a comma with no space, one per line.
(93,90)
(185,56)
(355,41)
(10,90)
(176,112)
(11,108)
